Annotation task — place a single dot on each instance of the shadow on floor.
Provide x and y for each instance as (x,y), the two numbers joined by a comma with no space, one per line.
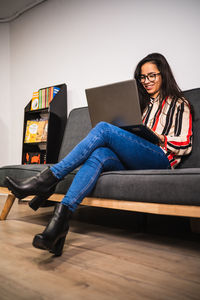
(128,222)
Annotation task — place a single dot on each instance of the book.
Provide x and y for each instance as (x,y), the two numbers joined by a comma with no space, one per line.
(50,96)
(31,130)
(55,90)
(43,98)
(35,101)
(32,158)
(44,131)
(36,131)
(46,97)
(40,99)
(41,135)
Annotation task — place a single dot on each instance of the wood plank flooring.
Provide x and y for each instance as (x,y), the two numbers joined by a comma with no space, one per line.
(105,257)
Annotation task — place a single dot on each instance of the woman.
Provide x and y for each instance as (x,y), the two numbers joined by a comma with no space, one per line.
(108,147)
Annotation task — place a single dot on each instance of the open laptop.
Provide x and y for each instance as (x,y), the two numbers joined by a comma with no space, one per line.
(118,104)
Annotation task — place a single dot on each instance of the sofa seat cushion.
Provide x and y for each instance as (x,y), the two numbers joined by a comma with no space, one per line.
(179,186)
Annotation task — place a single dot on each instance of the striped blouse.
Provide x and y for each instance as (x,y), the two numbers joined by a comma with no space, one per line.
(174,121)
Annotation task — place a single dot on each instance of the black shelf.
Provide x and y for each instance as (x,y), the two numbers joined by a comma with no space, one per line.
(35,145)
(42,110)
(56,115)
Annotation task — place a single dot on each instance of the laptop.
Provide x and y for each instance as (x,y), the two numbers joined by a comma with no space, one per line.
(118,104)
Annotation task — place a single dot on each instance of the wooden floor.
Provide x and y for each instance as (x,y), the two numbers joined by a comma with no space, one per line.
(106,256)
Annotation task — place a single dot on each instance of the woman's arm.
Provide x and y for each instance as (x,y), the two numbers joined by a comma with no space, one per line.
(180,142)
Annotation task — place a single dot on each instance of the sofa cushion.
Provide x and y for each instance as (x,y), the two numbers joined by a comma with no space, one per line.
(158,186)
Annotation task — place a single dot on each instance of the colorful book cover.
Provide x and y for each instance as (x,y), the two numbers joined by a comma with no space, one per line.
(46,98)
(32,158)
(50,95)
(42,131)
(55,90)
(36,131)
(31,131)
(40,99)
(45,131)
(43,98)
(35,101)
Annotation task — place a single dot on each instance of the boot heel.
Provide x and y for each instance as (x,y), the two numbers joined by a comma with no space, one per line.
(57,249)
(36,202)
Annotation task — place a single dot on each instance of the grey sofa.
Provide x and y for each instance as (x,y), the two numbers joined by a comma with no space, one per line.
(171,192)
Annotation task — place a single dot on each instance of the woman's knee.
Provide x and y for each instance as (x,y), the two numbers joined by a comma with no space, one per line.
(102,126)
(101,153)
(106,159)
(97,158)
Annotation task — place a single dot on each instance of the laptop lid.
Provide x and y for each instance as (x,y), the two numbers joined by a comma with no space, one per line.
(116,103)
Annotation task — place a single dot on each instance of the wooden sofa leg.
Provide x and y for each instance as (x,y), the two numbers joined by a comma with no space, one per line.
(7,207)
(195,225)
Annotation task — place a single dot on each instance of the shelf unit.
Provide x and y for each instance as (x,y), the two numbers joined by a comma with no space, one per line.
(56,115)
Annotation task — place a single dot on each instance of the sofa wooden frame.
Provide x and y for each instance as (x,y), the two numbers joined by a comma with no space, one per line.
(193,212)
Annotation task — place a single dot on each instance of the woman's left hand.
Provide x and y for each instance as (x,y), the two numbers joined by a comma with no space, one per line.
(161,137)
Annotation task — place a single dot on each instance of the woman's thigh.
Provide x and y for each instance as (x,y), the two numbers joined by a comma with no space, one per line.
(133,151)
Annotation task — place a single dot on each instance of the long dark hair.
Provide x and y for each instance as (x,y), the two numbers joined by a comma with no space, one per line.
(169,86)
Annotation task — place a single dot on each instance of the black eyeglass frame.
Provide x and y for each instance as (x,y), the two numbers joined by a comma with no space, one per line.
(142,78)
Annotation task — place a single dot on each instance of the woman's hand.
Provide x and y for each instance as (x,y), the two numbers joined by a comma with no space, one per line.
(161,137)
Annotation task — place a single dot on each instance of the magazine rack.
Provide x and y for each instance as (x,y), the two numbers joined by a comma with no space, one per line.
(46,150)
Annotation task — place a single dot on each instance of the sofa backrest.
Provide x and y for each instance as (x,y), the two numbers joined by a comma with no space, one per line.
(193,160)
(78,126)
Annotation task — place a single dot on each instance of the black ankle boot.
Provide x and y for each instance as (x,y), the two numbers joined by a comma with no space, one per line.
(42,185)
(53,237)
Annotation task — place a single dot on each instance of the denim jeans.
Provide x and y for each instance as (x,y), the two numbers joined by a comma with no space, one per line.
(106,148)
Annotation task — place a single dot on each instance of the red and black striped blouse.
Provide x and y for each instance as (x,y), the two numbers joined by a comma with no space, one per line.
(172,119)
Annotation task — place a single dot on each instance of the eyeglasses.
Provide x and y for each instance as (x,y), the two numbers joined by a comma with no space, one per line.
(151,77)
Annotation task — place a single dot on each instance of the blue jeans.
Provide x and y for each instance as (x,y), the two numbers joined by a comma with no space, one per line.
(106,148)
